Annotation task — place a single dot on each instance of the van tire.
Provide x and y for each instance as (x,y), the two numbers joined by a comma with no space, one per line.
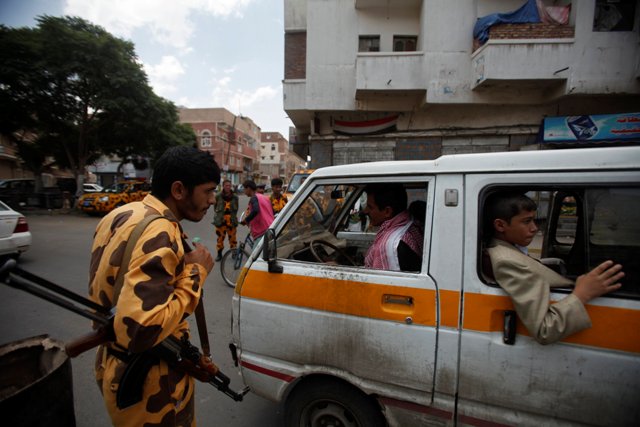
(322,401)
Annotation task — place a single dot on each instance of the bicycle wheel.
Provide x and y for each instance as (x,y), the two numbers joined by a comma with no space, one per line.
(228,265)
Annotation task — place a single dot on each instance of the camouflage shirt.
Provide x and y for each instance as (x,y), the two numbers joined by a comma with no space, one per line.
(159,290)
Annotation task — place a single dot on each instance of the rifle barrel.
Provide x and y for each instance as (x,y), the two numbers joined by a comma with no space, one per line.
(21,283)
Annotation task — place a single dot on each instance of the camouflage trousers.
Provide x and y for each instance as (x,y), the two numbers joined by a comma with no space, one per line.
(226,230)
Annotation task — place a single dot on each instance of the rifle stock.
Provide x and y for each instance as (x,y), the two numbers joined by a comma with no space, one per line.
(88,341)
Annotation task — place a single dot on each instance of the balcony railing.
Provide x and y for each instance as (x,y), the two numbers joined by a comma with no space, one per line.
(523,54)
(390,71)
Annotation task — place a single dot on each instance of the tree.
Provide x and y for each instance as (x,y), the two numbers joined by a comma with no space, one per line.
(82,93)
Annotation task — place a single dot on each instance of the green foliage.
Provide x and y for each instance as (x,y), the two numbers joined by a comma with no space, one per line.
(80,92)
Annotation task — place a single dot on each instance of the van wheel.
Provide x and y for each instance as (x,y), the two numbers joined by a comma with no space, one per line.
(329,402)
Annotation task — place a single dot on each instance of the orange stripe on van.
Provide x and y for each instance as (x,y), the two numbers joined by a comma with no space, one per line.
(449,308)
(370,300)
(614,328)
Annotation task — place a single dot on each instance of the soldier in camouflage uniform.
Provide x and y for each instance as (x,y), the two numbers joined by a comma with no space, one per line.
(226,217)
(161,288)
(278,200)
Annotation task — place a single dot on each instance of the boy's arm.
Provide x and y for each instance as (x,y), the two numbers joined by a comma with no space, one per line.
(529,291)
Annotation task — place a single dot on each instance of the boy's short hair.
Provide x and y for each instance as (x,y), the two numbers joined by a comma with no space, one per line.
(391,194)
(188,165)
(249,184)
(505,205)
(276,181)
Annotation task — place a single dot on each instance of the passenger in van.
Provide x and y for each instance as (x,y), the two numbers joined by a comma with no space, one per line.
(510,220)
(398,243)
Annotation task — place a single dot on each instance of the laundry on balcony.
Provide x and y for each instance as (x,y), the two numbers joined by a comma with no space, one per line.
(533,11)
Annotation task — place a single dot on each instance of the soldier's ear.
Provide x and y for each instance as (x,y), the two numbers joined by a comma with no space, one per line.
(178,190)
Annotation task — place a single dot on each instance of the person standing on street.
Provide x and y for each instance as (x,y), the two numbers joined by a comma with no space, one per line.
(226,217)
(278,200)
(161,288)
(259,212)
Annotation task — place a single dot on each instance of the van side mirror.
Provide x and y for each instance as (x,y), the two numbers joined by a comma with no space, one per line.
(270,251)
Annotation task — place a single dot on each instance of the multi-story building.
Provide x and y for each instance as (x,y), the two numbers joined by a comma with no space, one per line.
(276,157)
(379,80)
(233,140)
(273,146)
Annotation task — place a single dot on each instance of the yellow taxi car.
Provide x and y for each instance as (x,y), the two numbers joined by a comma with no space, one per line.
(112,197)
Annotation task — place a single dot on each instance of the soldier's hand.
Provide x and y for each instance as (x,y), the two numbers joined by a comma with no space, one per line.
(200,255)
(601,280)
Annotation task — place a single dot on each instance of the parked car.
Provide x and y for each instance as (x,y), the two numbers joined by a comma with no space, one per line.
(110,198)
(92,188)
(18,192)
(15,237)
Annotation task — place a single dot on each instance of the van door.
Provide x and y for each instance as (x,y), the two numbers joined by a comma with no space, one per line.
(592,377)
(327,315)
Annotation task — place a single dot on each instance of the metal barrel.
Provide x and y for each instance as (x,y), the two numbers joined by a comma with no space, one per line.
(36,387)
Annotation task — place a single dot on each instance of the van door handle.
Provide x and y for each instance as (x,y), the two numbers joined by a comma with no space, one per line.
(509,330)
(397,299)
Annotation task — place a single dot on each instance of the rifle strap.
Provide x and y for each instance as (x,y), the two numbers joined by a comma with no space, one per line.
(128,250)
(126,258)
(201,321)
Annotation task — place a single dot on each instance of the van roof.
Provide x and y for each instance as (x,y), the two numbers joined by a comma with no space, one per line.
(584,159)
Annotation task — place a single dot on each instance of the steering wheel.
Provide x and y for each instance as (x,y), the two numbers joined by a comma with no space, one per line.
(341,252)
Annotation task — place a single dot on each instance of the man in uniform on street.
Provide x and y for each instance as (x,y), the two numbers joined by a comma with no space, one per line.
(162,286)
(226,217)
(278,200)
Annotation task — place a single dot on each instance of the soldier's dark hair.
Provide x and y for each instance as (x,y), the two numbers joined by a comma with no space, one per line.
(276,181)
(249,184)
(391,194)
(188,165)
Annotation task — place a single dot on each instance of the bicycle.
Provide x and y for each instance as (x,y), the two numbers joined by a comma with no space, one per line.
(233,260)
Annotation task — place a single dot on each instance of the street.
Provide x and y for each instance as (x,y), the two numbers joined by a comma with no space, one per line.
(60,253)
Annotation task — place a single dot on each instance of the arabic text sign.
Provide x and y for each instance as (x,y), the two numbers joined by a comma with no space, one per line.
(592,128)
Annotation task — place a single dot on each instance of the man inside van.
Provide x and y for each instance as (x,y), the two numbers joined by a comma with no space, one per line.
(398,243)
(510,220)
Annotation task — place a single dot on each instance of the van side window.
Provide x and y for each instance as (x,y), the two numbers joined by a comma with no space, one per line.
(580,227)
(334,225)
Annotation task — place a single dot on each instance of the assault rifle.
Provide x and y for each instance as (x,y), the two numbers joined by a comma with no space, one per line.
(180,354)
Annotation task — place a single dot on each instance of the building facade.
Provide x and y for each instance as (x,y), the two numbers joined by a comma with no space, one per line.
(277,160)
(370,80)
(233,140)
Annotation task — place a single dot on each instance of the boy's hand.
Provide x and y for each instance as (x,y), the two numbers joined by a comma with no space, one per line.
(200,255)
(599,281)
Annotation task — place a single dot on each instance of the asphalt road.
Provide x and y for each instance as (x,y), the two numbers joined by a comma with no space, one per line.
(61,253)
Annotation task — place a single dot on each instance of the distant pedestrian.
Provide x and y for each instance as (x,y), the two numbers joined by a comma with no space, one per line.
(259,212)
(226,217)
(278,200)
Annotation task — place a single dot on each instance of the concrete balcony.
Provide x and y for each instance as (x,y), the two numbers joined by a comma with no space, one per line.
(522,63)
(390,78)
(365,4)
(294,94)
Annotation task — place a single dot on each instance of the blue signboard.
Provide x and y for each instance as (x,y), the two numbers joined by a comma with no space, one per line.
(600,127)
